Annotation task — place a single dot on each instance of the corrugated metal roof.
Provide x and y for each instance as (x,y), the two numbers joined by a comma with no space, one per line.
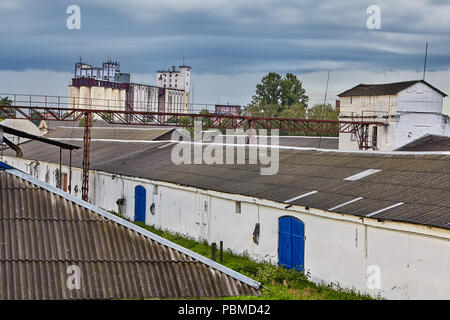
(42,233)
(383,89)
(421,181)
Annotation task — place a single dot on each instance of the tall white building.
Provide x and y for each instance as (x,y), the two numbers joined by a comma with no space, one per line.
(409,110)
(175,79)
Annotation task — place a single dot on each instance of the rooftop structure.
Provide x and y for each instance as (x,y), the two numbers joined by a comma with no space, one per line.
(110,71)
(409,109)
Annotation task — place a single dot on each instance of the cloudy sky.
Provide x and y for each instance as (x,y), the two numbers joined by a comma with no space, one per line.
(229,44)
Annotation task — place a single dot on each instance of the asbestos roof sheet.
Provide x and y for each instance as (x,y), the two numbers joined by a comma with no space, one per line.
(383,89)
(43,233)
(418,180)
(114,133)
(429,142)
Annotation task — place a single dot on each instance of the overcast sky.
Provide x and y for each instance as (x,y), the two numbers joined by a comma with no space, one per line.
(229,44)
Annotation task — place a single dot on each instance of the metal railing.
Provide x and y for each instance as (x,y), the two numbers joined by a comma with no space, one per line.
(138,105)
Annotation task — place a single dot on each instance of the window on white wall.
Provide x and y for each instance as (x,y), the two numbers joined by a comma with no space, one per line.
(237,206)
(155,190)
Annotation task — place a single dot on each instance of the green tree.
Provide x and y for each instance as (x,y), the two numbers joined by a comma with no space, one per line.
(295,111)
(207,121)
(278,97)
(292,92)
(259,109)
(5,102)
(323,112)
(268,92)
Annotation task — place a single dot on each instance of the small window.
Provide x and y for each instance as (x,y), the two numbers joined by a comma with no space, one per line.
(155,190)
(238,206)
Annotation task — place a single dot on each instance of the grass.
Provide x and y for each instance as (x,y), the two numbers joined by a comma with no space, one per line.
(282,284)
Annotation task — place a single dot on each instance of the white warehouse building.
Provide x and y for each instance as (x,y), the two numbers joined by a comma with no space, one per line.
(409,110)
(376,222)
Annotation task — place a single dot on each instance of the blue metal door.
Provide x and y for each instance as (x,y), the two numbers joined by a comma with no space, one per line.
(291,243)
(139,203)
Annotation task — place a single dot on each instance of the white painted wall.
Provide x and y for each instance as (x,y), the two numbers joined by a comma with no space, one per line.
(419,98)
(414,260)
(411,126)
(368,105)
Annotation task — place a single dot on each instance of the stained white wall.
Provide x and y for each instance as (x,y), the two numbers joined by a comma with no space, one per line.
(368,105)
(413,260)
(419,98)
(411,126)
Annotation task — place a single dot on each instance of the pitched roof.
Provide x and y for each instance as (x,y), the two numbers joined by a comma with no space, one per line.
(43,231)
(383,89)
(420,181)
(428,142)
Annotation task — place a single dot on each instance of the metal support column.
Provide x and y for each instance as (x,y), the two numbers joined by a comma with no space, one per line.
(86,155)
(60,186)
(70,170)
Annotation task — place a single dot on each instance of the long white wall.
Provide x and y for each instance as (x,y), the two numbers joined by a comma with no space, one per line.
(413,260)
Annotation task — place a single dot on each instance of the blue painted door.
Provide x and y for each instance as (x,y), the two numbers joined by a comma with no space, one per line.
(291,243)
(139,203)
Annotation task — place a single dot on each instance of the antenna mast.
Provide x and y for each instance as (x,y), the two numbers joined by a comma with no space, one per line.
(323,107)
(425,62)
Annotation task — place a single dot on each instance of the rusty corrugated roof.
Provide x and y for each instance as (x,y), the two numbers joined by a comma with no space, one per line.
(42,233)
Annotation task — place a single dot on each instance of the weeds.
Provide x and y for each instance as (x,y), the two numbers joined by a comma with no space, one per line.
(282,283)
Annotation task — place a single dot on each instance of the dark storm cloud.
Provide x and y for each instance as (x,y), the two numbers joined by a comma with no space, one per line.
(225,37)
